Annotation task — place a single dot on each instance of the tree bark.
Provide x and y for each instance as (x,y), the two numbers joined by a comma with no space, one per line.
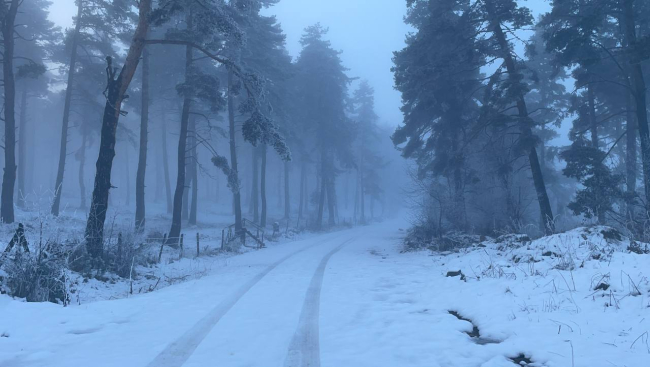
(194,173)
(127,173)
(175,230)
(115,92)
(22,148)
(524,123)
(287,201)
(165,156)
(301,204)
(9,176)
(263,187)
(142,157)
(331,200)
(322,190)
(255,185)
(639,93)
(63,150)
(630,156)
(593,122)
(82,163)
(233,153)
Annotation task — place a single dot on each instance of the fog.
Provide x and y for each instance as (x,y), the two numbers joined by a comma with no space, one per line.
(324,182)
(365,35)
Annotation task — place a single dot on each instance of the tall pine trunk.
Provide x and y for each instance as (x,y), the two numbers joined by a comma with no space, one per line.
(287,201)
(9,176)
(22,148)
(593,125)
(194,172)
(524,122)
(331,200)
(165,158)
(255,185)
(263,187)
(115,92)
(82,164)
(58,187)
(322,188)
(639,93)
(233,153)
(175,230)
(301,204)
(630,156)
(142,157)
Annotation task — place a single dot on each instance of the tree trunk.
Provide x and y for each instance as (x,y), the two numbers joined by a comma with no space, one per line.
(115,92)
(82,163)
(159,176)
(263,187)
(9,177)
(287,202)
(185,213)
(331,200)
(362,197)
(255,185)
(279,191)
(524,124)
(194,173)
(639,92)
(22,148)
(323,188)
(593,122)
(630,156)
(233,153)
(58,187)
(301,204)
(142,158)
(165,156)
(357,199)
(127,169)
(175,230)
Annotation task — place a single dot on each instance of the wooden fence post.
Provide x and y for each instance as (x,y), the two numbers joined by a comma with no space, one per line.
(161,247)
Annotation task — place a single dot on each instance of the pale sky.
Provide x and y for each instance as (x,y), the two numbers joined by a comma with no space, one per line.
(367,31)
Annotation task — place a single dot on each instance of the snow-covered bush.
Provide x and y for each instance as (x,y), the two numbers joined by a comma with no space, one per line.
(37,277)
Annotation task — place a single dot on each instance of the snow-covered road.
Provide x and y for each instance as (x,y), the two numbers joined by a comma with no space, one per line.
(262,309)
(350,299)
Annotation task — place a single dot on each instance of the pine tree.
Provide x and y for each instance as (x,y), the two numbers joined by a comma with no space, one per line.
(321,87)
(438,75)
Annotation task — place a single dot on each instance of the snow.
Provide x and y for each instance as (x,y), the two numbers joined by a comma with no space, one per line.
(377,306)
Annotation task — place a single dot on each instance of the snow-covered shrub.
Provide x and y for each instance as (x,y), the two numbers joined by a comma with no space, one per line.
(37,277)
(122,254)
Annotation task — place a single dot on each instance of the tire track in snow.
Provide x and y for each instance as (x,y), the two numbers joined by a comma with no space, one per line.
(179,351)
(304,350)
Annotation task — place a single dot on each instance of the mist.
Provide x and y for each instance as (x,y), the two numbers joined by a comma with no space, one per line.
(339,183)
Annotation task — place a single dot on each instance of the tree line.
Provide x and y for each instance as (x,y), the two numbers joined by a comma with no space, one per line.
(215,72)
(487,88)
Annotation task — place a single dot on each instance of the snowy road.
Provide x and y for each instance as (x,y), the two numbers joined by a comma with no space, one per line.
(262,310)
(344,299)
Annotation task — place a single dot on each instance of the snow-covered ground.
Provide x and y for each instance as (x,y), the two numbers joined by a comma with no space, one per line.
(352,298)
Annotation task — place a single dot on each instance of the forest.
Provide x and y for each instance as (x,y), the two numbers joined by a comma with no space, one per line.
(206,96)
(490,94)
(306,183)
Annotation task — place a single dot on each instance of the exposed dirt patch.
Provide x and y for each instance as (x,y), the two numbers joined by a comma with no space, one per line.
(521,360)
(475,334)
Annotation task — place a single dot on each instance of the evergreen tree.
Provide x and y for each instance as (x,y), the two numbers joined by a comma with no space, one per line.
(321,87)
(438,75)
